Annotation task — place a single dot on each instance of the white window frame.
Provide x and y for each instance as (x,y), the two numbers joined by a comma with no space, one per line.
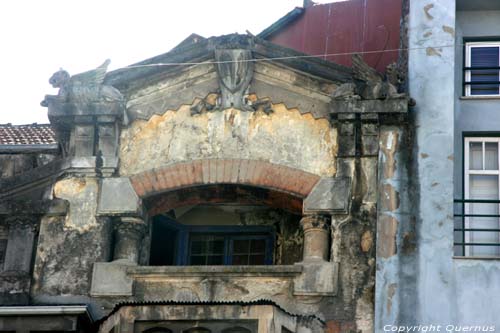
(468,172)
(468,48)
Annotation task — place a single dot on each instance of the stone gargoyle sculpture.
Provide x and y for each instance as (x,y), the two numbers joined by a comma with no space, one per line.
(368,83)
(84,88)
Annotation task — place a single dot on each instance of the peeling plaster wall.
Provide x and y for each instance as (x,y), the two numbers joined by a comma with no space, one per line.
(396,234)
(283,137)
(69,245)
(431,84)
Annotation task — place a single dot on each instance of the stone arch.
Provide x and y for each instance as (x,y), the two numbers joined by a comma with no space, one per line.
(223,194)
(254,173)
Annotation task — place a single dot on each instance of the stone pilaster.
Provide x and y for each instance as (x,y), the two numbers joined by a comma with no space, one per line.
(22,231)
(129,231)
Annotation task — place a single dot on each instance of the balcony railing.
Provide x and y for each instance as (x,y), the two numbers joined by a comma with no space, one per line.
(481,80)
(476,227)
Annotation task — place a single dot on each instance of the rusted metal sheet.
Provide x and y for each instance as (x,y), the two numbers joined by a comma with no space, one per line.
(345,27)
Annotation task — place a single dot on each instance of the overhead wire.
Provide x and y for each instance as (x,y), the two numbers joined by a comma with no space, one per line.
(305,56)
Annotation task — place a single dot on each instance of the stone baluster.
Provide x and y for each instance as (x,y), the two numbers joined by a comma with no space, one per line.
(129,232)
(316,237)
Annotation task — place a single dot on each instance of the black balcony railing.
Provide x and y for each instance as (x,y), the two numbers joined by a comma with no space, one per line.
(470,226)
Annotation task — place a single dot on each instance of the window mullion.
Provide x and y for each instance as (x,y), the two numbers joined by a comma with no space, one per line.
(483,144)
(228,245)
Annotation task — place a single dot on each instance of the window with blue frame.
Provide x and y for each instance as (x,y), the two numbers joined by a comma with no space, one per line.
(482,68)
(174,243)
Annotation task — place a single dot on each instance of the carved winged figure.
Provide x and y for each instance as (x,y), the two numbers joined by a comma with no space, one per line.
(371,84)
(86,87)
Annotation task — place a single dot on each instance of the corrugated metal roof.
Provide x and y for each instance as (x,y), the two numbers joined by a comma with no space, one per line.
(343,28)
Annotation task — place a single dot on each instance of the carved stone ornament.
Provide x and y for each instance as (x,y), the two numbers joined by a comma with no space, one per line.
(315,222)
(369,84)
(23,222)
(131,227)
(235,68)
(83,88)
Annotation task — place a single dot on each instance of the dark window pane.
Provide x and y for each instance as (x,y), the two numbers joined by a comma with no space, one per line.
(258,246)
(241,246)
(163,243)
(215,260)
(198,247)
(197,260)
(240,259)
(257,259)
(207,250)
(231,247)
(216,247)
(484,57)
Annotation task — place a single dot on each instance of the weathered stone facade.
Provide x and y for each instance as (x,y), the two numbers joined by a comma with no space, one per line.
(232,141)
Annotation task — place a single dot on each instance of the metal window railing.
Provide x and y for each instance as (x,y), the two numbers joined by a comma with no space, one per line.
(485,71)
(466,224)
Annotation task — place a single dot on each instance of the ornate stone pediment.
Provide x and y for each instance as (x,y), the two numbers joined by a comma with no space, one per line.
(235,71)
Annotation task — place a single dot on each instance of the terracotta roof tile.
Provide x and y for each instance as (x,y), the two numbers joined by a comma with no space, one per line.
(34,134)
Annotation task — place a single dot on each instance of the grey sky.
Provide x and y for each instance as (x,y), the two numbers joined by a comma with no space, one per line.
(39,37)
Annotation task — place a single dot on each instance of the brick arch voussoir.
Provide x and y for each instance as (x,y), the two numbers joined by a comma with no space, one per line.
(224,171)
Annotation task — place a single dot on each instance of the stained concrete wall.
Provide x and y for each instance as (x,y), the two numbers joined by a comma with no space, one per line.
(396,234)
(475,280)
(431,84)
(446,290)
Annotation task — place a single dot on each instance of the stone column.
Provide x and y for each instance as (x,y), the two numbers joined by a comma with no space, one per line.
(316,233)
(319,276)
(129,232)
